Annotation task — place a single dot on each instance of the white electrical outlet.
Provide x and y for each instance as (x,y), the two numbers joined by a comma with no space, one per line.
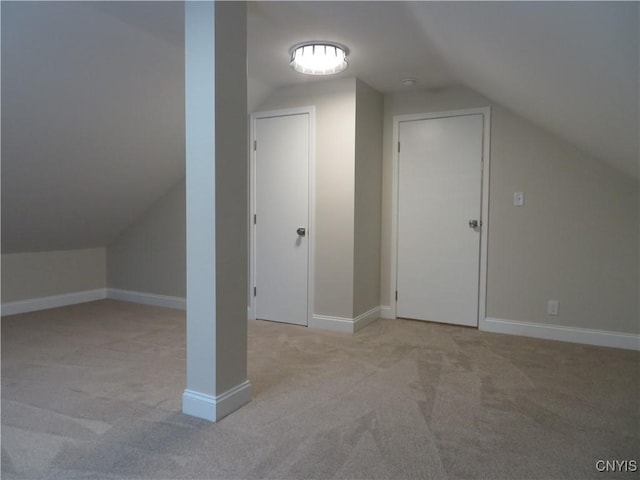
(553,307)
(518,199)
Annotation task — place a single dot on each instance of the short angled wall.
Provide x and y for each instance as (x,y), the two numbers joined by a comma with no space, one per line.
(586,336)
(40,280)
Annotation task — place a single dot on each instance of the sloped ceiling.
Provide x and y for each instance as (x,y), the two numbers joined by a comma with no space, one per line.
(93,92)
(92,119)
(570,67)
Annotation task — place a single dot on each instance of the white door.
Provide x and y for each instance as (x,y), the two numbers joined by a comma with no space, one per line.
(282,215)
(439,193)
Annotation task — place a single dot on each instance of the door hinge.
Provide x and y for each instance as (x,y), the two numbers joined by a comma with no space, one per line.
(396,295)
(398,147)
(255,145)
(255,291)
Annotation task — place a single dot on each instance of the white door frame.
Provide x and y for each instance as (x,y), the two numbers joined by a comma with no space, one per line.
(484,208)
(311,111)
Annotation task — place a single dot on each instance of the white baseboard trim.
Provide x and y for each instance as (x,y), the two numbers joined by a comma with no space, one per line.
(334,324)
(385,312)
(366,318)
(166,301)
(586,336)
(54,301)
(343,324)
(212,408)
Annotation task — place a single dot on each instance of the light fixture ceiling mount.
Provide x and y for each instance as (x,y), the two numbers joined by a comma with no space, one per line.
(319,58)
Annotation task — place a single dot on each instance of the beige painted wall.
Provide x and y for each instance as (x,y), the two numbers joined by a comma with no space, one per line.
(368,199)
(257,92)
(44,274)
(335,102)
(576,239)
(150,255)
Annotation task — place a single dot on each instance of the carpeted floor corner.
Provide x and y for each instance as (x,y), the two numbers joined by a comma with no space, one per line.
(94,391)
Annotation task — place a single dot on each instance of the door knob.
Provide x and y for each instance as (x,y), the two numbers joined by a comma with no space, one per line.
(474,223)
(301,231)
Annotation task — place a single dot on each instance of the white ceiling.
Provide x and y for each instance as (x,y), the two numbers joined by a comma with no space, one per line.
(93,92)
(570,67)
(385,42)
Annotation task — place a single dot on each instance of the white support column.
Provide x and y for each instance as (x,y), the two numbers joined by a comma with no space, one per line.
(216,255)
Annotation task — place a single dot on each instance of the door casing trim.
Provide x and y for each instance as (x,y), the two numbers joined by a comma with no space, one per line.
(484,207)
(311,111)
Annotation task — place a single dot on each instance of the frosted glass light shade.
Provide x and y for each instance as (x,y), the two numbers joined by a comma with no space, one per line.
(319,58)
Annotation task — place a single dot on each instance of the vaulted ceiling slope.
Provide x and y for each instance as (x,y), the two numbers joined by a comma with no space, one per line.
(570,67)
(93,92)
(92,118)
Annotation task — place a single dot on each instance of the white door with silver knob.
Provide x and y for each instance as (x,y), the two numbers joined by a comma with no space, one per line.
(281,201)
(439,211)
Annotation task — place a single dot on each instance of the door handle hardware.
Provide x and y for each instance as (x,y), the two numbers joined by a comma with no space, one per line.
(301,231)
(475,223)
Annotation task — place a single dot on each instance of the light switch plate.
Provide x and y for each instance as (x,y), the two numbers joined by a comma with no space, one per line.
(518,199)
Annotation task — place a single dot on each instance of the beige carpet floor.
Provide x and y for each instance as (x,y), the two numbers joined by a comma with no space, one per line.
(93,391)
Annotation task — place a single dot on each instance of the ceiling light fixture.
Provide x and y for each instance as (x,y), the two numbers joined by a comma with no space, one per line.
(319,58)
